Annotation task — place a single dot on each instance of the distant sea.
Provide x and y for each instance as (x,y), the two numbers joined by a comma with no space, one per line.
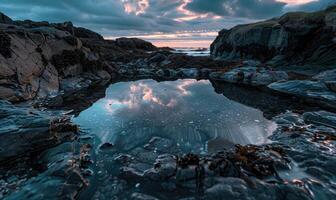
(193,51)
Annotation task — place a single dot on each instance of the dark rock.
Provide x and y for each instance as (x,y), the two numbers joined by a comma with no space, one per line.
(309,91)
(250,76)
(62,179)
(295,38)
(106,146)
(326,76)
(86,33)
(5,19)
(32,131)
(233,188)
(321,118)
(134,44)
(71,40)
(5,45)
(157,58)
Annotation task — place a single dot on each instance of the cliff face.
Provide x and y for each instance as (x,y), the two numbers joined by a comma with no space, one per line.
(41,59)
(294,39)
(36,56)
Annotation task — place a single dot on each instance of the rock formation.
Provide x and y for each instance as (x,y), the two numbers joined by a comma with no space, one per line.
(42,59)
(294,39)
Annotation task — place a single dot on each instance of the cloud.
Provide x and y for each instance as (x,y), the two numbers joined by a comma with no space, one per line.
(243,8)
(143,17)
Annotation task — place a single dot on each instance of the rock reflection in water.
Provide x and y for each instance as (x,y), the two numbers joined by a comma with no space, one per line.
(187,111)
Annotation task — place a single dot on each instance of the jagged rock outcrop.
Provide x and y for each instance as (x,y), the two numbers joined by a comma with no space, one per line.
(35,58)
(294,39)
(41,59)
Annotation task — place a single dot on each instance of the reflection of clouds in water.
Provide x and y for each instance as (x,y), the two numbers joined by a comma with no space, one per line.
(187,111)
(139,93)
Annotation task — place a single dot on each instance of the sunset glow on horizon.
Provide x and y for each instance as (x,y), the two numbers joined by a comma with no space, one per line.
(191,39)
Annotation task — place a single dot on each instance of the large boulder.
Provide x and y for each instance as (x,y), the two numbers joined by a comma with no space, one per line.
(295,38)
(36,56)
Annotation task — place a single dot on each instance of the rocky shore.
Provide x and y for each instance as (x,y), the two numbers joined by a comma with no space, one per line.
(49,72)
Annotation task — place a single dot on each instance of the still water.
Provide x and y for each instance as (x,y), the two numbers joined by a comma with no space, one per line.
(188,112)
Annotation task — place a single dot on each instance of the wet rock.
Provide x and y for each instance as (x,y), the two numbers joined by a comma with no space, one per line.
(309,91)
(32,130)
(325,76)
(331,85)
(110,188)
(250,76)
(144,155)
(129,173)
(106,146)
(233,188)
(62,179)
(124,159)
(166,73)
(321,118)
(189,73)
(164,168)
(139,196)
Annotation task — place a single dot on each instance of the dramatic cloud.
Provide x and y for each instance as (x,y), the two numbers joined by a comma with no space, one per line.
(173,18)
(246,8)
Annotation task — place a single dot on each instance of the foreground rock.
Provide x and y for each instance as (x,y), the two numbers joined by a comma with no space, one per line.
(58,174)
(37,155)
(296,38)
(24,131)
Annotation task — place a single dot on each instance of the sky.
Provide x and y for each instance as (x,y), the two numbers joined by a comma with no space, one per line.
(174,23)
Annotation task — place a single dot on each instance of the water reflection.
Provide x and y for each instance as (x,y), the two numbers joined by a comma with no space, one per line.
(188,112)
